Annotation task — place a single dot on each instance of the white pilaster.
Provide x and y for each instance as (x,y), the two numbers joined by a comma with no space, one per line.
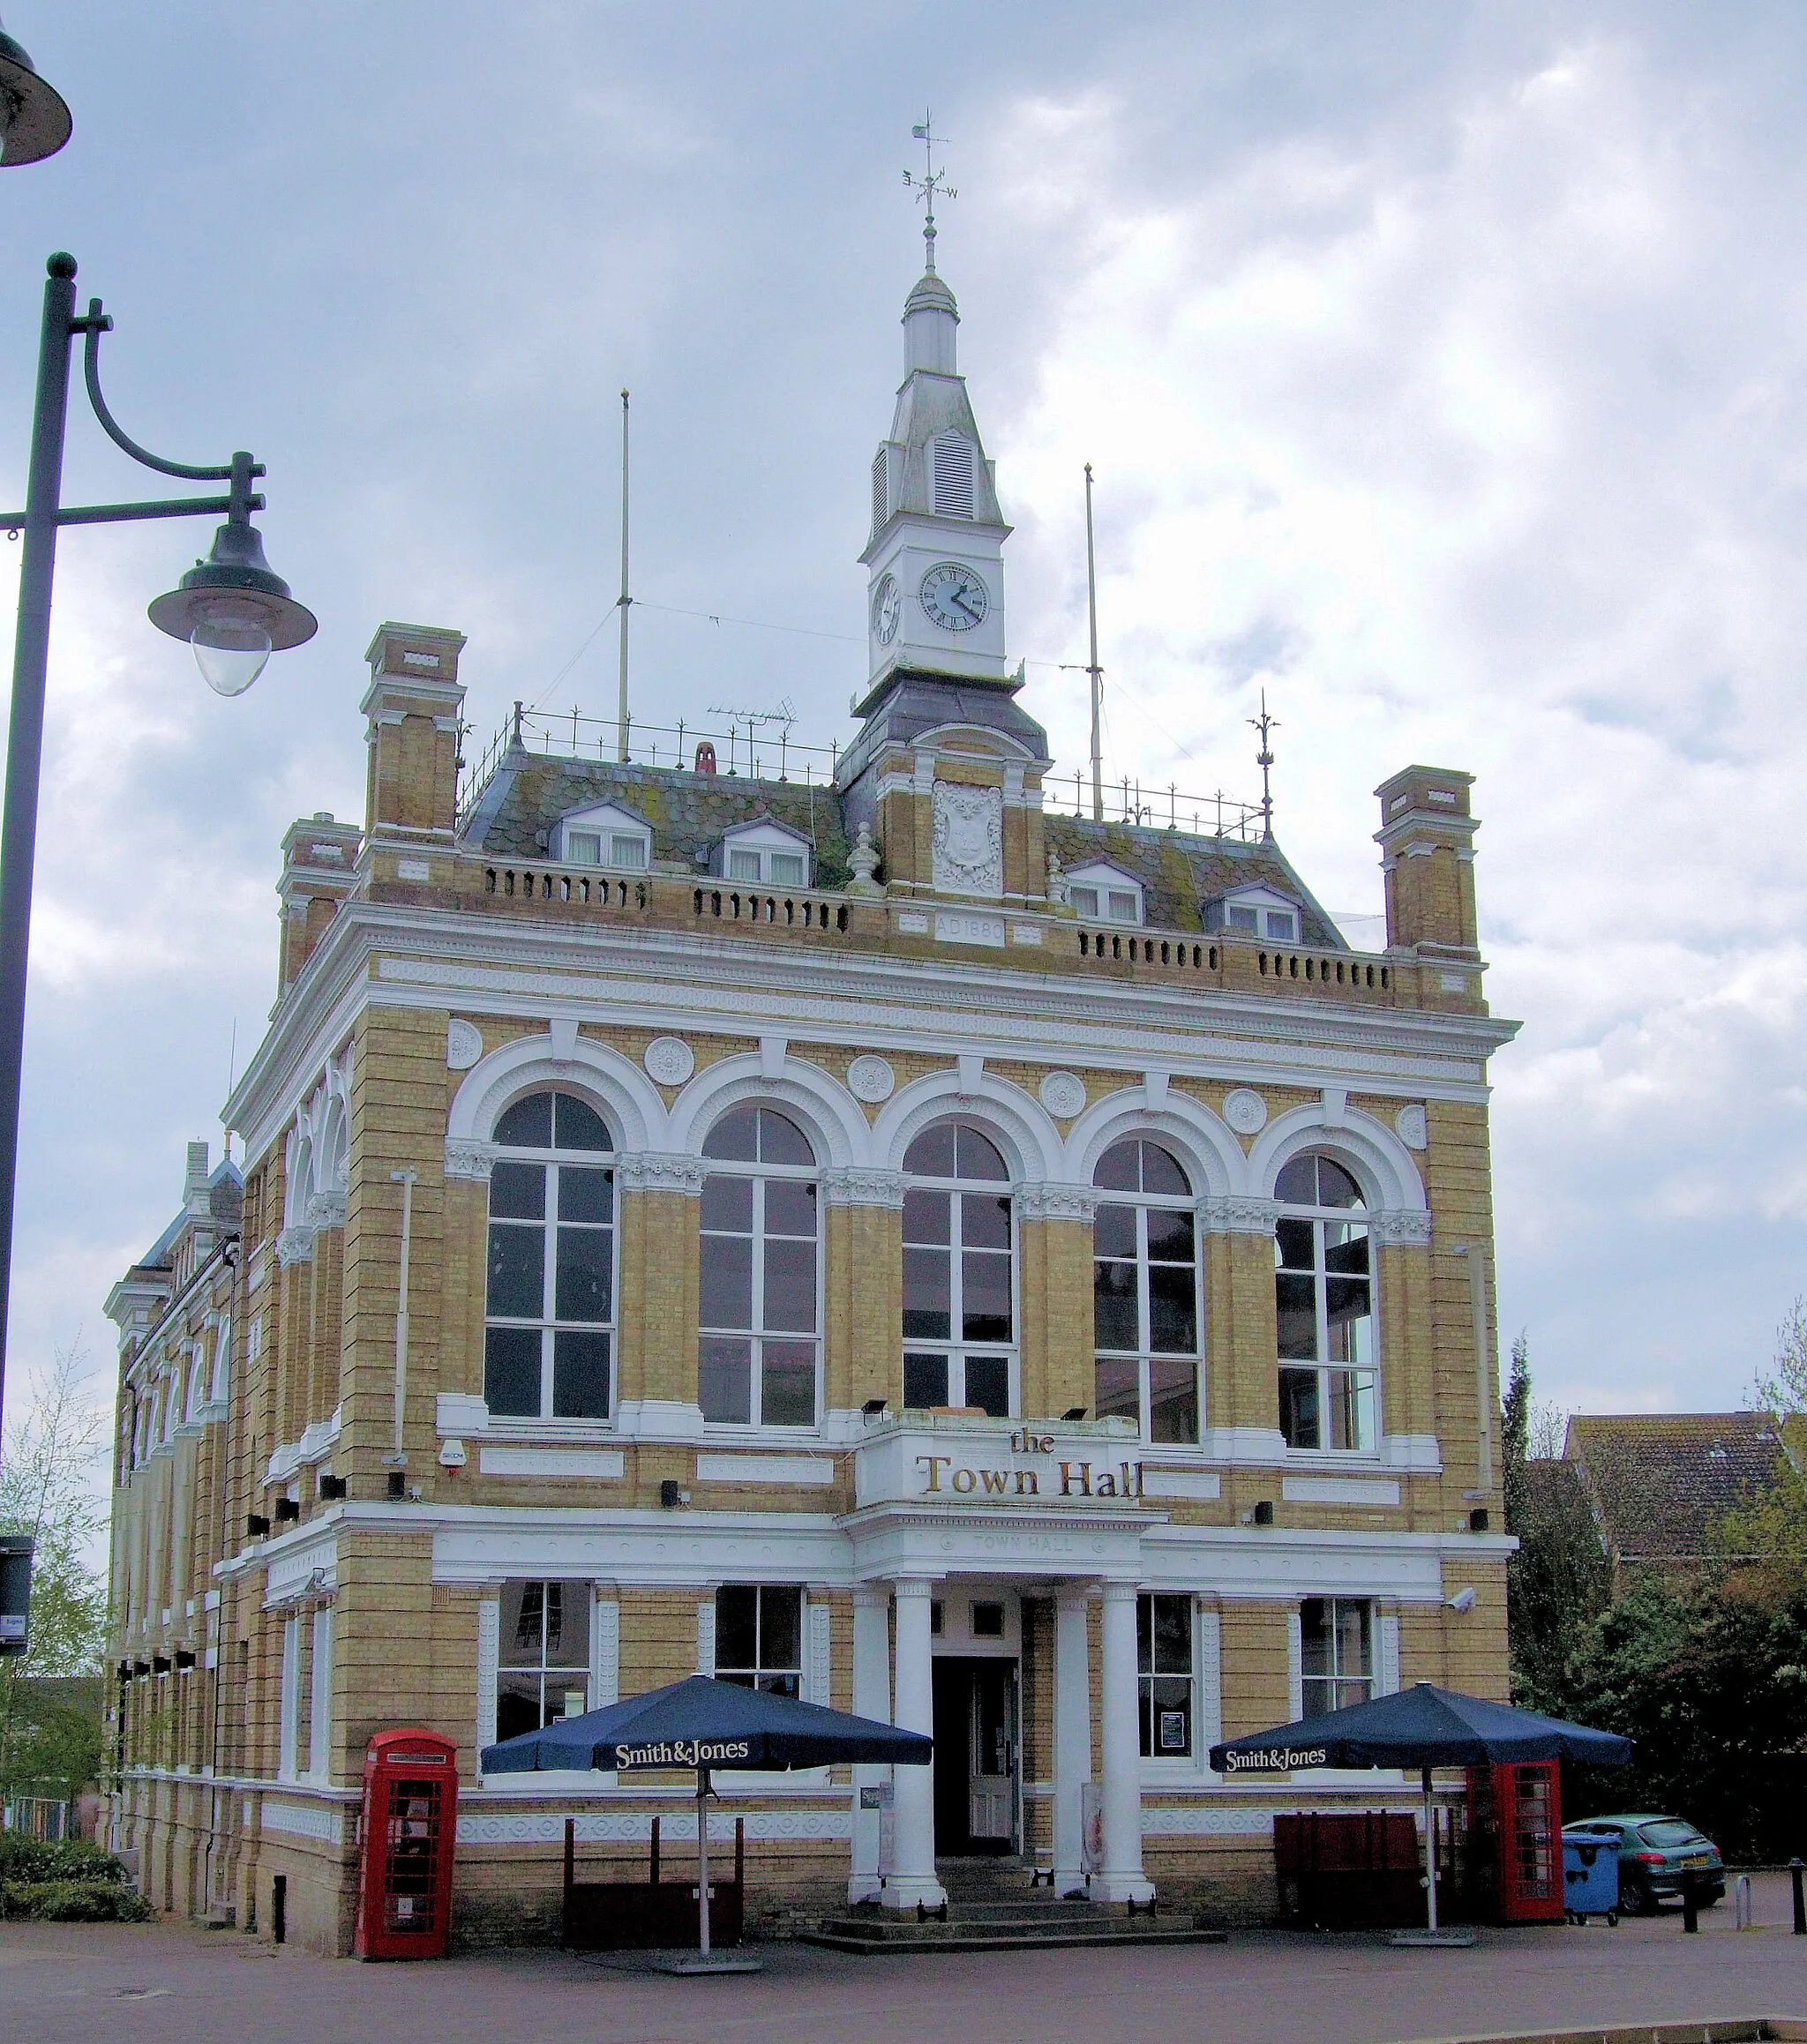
(1121,1879)
(319,1717)
(871,1698)
(913,1876)
(1072,1736)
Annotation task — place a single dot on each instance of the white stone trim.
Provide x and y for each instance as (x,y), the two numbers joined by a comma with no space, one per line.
(594,1464)
(613,1827)
(1201,1486)
(660,1171)
(319,1754)
(489,1660)
(812,1470)
(706,1636)
(323,1823)
(1386,1654)
(1295,1667)
(857,1186)
(1056,1203)
(1239,1214)
(469,1159)
(1390,1226)
(1339,1490)
(604,1649)
(817,1672)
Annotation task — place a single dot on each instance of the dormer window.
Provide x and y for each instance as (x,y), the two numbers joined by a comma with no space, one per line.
(605,836)
(1256,911)
(1104,892)
(766,854)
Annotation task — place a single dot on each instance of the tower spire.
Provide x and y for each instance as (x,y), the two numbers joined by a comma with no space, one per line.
(931,184)
(1265,760)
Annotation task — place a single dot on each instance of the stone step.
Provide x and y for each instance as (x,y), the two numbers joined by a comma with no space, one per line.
(1039,1937)
(997,1918)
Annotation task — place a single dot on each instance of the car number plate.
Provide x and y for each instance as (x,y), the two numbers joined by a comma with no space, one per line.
(1696,1859)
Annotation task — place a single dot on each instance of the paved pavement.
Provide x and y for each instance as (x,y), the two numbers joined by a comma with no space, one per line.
(71,1984)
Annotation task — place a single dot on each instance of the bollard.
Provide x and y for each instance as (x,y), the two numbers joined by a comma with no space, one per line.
(1795,1873)
(1691,1906)
(1742,1915)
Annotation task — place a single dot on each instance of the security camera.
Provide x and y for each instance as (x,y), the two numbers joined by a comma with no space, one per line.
(1463,1601)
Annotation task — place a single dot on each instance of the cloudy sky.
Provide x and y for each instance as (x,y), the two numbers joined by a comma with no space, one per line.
(1441,363)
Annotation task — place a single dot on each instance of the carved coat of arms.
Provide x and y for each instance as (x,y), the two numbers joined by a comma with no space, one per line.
(969,843)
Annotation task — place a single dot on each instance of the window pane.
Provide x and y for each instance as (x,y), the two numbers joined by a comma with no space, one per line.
(1281,925)
(1123,907)
(1296,1246)
(585,1273)
(1297,1185)
(926,1216)
(985,1297)
(1351,1409)
(787,869)
(517,1705)
(1116,1170)
(780,1628)
(580,1376)
(726,1290)
(628,851)
(1344,1249)
(737,1626)
(931,1154)
(980,1158)
(512,1371)
(985,1222)
(1335,1187)
(1295,1309)
(789,1301)
(780,1685)
(790,1206)
(725,1381)
(787,1388)
(580,1126)
(517,1271)
(1172,1635)
(1172,1400)
(527,1124)
(1144,1636)
(1113,1231)
(781,1140)
(743,865)
(988,1385)
(583,846)
(522,1633)
(567,1626)
(735,1135)
(1114,1310)
(518,1192)
(1172,1309)
(1314,1639)
(1236,918)
(924,1383)
(1085,901)
(928,1306)
(1298,1408)
(1119,1395)
(1170,1708)
(1353,1637)
(727,1202)
(586,1195)
(1170,1239)
(1350,1327)
(1162,1172)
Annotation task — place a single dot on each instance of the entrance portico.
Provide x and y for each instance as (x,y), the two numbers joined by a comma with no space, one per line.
(1062,1517)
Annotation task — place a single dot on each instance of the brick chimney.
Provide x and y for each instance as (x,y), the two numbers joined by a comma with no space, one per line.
(318,858)
(413,704)
(1427,841)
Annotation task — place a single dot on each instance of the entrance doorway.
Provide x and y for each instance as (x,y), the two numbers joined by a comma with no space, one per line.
(976,1756)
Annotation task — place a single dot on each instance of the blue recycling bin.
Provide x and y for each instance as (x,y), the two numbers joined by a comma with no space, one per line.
(1590,1874)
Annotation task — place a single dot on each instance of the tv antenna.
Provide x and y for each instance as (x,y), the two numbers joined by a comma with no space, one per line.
(783,716)
(931,185)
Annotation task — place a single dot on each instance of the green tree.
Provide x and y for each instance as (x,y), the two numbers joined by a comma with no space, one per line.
(1765,1538)
(49,1489)
(1558,1582)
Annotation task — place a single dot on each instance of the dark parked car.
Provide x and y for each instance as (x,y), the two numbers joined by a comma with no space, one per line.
(1656,1854)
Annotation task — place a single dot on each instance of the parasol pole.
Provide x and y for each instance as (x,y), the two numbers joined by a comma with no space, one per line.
(1429,1850)
(702,1857)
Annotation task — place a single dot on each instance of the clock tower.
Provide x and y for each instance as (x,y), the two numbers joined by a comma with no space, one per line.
(935,560)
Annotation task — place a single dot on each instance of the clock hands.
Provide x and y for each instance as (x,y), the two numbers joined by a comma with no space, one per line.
(959,596)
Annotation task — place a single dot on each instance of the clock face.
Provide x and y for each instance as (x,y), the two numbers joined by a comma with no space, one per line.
(954,596)
(887,609)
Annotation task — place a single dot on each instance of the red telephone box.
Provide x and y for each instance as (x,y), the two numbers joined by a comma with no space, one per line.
(1516,1814)
(406,1833)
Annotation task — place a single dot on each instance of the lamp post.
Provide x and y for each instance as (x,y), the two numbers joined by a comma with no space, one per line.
(230,608)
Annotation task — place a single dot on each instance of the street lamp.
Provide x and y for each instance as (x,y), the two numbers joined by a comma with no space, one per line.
(230,608)
(33,121)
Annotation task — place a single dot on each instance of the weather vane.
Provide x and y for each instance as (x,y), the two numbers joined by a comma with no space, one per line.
(933,183)
(1265,760)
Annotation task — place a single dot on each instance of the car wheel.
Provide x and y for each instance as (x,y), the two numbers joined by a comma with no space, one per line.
(1635,1899)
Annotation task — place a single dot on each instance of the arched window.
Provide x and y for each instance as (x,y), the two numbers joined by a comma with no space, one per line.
(1325,1308)
(1144,1292)
(959,1294)
(549,1314)
(759,1357)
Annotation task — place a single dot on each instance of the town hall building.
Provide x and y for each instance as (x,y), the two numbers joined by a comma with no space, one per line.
(1020,1276)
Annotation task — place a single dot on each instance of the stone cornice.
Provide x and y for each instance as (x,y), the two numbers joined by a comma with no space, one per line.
(1238,1215)
(856,1186)
(1048,1202)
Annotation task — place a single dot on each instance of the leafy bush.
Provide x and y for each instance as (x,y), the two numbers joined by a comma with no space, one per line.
(73,1902)
(28,1860)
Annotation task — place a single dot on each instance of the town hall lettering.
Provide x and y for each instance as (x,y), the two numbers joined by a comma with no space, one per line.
(944,1476)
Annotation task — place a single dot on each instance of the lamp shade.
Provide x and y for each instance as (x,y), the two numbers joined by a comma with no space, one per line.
(233,610)
(34,123)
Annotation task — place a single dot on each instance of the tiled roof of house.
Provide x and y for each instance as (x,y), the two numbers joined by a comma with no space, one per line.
(1660,1483)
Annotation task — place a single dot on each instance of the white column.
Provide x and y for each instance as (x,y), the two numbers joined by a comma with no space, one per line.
(913,1876)
(320,1716)
(1072,1735)
(1122,1878)
(871,1698)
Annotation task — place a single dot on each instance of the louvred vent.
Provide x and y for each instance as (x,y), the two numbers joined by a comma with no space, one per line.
(953,475)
